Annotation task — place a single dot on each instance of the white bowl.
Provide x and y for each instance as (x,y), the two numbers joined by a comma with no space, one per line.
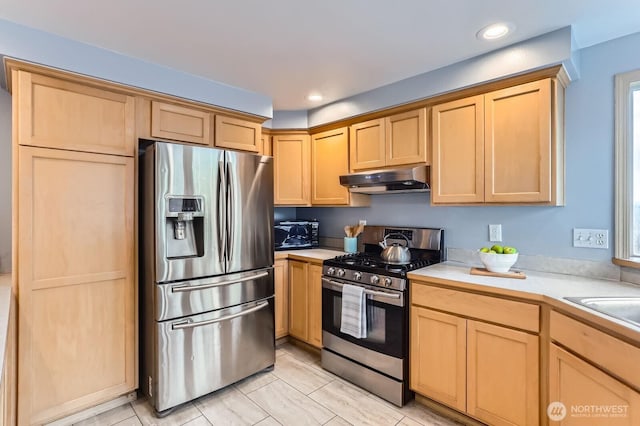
(495,262)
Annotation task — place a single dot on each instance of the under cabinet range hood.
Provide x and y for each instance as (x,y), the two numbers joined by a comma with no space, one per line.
(397,180)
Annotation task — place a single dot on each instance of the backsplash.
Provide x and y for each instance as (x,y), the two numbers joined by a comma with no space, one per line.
(558,265)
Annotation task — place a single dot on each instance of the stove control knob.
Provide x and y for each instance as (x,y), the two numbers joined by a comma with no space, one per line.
(357,276)
(387,282)
(374,279)
(341,272)
(331,271)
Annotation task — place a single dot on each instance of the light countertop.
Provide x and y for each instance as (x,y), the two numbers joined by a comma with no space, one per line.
(310,255)
(539,287)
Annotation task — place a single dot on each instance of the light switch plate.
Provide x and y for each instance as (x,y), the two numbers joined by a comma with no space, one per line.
(591,238)
(495,232)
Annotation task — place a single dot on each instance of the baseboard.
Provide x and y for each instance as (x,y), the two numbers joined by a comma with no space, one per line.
(447,412)
(94,411)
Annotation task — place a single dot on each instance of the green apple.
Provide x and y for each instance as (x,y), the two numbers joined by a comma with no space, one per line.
(496,248)
(509,250)
(492,251)
(484,250)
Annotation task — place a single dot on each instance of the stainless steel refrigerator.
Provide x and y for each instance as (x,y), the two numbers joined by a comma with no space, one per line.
(206,270)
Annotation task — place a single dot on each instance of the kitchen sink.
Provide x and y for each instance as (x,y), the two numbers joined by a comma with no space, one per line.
(624,308)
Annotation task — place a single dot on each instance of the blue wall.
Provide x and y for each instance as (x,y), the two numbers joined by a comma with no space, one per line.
(36,46)
(539,52)
(5,182)
(534,230)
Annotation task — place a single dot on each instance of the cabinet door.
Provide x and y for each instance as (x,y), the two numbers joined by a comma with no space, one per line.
(330,159)
(77,316)
(502,375)
(367,147)
(582,389)
(292,169)
(180,123)
(315,305)
(438,356)
(406,138)
(457,138)
(265,140)
(518,143)
(298,299)
(59,114)
(233,133)
(281,284)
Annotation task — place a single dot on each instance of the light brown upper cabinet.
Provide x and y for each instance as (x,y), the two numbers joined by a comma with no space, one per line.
(399,139)
(506,146)
(176,122)
(57,113)
(330,159)
(265,140)
(292,169)
(234,133)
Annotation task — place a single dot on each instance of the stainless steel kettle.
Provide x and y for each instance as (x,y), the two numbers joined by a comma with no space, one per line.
(395,253)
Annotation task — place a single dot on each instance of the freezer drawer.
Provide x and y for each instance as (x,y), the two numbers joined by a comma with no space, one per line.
(181,299)
(202,353)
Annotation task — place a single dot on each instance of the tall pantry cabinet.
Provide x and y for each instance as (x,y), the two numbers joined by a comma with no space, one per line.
(73,243)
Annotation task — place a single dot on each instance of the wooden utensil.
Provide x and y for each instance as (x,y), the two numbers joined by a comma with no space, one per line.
(359,230)
(347,230)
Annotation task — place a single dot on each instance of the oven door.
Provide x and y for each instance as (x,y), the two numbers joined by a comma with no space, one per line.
(386,318)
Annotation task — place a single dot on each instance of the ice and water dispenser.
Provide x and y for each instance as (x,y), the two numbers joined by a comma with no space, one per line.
(184,227)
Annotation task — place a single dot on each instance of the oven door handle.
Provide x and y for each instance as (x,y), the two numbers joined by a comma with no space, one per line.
(367,291)
(181,288)
(188,324)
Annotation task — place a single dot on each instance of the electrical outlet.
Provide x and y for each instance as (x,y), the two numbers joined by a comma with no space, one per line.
(363,222)
(591,238)
(495,232)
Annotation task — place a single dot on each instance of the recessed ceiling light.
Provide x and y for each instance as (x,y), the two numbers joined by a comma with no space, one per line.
(315,97)
(495,31)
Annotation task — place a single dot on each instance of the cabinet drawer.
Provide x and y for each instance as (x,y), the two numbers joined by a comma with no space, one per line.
(613,355)
(525,316)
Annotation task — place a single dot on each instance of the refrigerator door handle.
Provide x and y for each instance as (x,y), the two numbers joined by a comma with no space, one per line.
(188,324)
(181,288)
(221,219)
(230,203)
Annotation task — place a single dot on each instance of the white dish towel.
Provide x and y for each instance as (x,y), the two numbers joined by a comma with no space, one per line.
(354,313)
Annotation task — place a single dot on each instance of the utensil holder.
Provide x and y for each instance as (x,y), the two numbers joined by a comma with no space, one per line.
(350,244)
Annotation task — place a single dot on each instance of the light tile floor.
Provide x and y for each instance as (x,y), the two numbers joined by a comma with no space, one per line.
(297,392)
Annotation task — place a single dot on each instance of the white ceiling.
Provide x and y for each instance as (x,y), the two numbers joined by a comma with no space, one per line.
(288,48)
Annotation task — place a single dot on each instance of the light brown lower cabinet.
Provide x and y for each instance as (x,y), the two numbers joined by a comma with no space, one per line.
(439,356)
(589,397)
(315,305)
(281,287)
(8,383)
(594,374)
(487,371)
(305,302)
(502,375)
(77,297)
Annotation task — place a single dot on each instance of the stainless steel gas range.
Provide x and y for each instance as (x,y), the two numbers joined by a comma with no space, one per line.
(378,360)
